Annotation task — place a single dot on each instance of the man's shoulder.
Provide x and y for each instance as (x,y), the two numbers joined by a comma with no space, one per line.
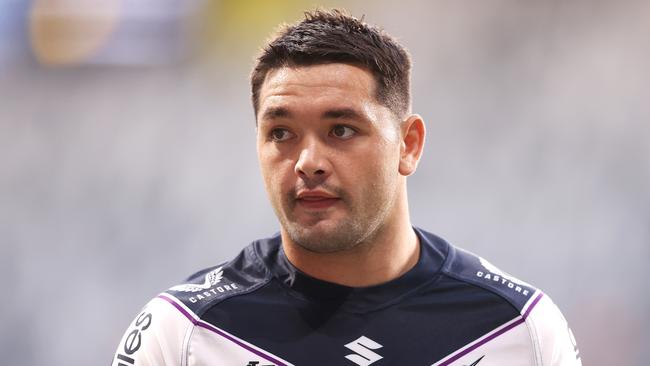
(472,269)
(210,286)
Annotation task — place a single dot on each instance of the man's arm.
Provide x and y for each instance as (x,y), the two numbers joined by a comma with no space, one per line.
(552,338)
(155,337)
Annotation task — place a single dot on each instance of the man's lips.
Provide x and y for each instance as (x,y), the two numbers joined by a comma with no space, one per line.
(316,199)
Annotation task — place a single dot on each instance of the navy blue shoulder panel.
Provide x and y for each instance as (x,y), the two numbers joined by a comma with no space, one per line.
(210,286)
(470,268)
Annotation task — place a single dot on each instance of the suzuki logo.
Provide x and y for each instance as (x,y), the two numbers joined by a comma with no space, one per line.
(362,348)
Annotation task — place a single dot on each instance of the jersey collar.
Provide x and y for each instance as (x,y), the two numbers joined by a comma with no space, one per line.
(433,251)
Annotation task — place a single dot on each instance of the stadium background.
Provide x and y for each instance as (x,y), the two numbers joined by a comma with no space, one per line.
(127,155)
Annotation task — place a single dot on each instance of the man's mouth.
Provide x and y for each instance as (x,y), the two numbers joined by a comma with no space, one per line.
(315,199)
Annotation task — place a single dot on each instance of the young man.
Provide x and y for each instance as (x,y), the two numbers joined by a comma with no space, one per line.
(348,281)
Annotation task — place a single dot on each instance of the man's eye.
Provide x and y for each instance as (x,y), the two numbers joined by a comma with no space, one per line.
(343,132)
(280,134)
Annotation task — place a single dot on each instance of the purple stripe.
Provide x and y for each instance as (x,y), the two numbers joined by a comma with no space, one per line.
(221,333)
(187,315)
(532,305)
(477,345)
(523,319)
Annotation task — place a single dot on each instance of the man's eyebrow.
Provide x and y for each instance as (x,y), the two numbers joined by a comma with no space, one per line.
(343,113)
(272,113)
(275,112)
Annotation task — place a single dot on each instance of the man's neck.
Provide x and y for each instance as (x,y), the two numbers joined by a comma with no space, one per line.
(388,255)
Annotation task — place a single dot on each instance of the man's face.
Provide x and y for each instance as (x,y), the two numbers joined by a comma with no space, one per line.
(329,155)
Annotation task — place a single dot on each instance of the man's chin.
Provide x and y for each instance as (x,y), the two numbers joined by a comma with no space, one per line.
(316,222)
(315,228)
(322,237)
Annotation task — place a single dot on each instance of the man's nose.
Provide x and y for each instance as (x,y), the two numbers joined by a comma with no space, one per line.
(313,165)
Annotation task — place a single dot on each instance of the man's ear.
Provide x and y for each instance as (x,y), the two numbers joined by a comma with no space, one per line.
(413,135)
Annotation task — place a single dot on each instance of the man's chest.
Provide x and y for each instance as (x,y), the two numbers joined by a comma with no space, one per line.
(260,333)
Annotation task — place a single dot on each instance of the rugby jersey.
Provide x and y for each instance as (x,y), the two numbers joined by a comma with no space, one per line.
(451,308)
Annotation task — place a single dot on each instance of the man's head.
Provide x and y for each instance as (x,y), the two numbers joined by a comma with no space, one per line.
(334,37)
(334,155)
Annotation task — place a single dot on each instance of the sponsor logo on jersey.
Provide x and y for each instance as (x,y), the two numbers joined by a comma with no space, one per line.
(363,355)
(208,288)
(133,340)
(496,275)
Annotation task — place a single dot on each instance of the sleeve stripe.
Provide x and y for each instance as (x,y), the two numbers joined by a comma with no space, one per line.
(241,343)
(481,341)
(532,304)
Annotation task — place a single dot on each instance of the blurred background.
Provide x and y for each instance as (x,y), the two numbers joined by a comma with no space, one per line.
(127,155)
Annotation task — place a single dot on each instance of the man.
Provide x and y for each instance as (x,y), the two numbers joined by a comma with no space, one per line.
(348,281)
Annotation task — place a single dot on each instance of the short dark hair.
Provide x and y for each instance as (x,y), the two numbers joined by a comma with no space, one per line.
(334,36)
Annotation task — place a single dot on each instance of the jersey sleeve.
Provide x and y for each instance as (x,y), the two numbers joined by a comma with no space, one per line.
(155,337)
(554,343)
